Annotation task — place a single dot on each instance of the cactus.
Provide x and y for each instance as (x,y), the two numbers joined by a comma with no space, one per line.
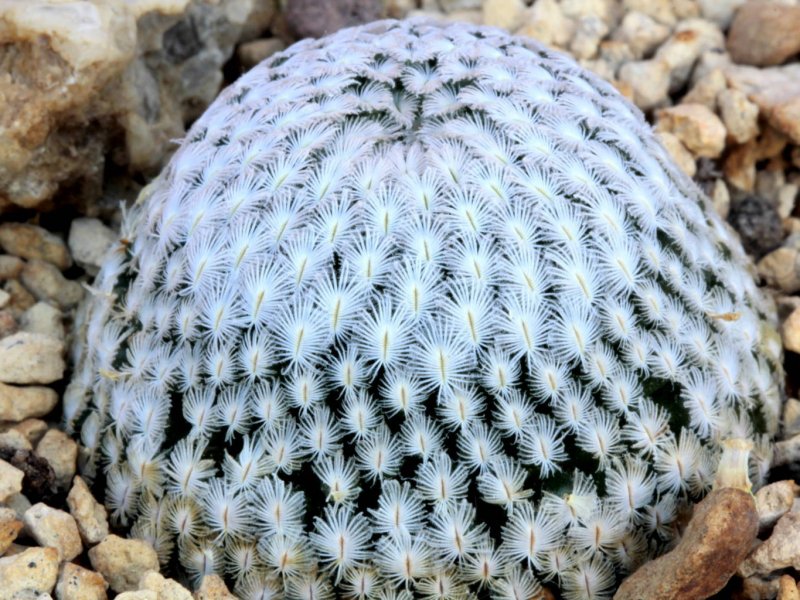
(418,311)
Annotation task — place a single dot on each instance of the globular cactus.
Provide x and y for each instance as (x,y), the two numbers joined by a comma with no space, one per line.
(418,311)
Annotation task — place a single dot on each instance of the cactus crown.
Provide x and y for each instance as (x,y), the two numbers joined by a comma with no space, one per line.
(417,311)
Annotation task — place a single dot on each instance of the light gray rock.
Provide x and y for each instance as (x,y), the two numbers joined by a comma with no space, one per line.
(682,49)
(122,562)
(89,241)
(55,529)
(719,11)
(546,23)
(649,80)
(739,115)
(641,33)
(779,551)
(19,403)
(589,32)
(10,480)
(47,283)
(88,512)
(29,574)
(61,451)
(44,318)
(31,358)
(781,267)
(775,500)
(78,583)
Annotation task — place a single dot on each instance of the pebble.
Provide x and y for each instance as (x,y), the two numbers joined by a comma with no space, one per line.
(756,220)
(252,53)
(721,198)
(12,438)
(588,34)
(787,588)
(10,526)
(29,574)
(89,241)
(138,595)
(718,537)
(649,80)
(775,500)
(123,561)
(19,503)
(641,33)
(682,49)
(719,11)
(779,551)
(47,283)
(790,332)
(31,358)
(449,6)
(706,89)
(78,583)
(88,512)
(781,268)
(759,588)
(700,130)
(312,18)
(10,266)
(212,587)
(790,421)
(5,298)
(546,23)
(33,242)
(682,157)
(61,451)
(507,14)
(764,33)
(739,115)
(44,318)
(661,10)
(21,299)
(19,403)
(32,429)
(54,528)
(10,480)
(165,589)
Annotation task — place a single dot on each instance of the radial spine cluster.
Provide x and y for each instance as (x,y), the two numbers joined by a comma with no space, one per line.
(418,311)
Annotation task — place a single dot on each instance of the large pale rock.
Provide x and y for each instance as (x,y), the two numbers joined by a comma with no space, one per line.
(764,33)
(718,537)
(78,583)
(29,241)
(88,512)
(31,358)
(649,80)
(19,403)
(700,130)
(776,91)
(29,574)
(47,284)
(61,451)
(779,551)
(80,76)
(123,561)
(54,528)
(10,480)
(89,241)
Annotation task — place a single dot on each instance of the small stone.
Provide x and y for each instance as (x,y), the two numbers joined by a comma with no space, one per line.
(165,589)
(54,528)
(61,452)
(706,89)
(759,588)
(787,199)
(30,241)
(682,157)
(10,526)
(721,198)
(19,403)
(586,41)
(32,429)
(781,268)
(790,332)
(19,503)
(78,583)
(649,80)
(719,11)
(88,512)
(311,18)
(660,10)
(790,421)
(764,34)
(29,574)
(757,222)
(688,41)
(21,299)
(47,283)
(12,438)
(718,537)
(31,358)
(5,298)
(696,126)
(546,22)
(507,14)
(615,54)
(252,53)
(10,480)
(44,318)
(10,266)
(775,500)
(779,551)
(89,241)
(123,561)
(138,595)
(213,588)
(739,115)
(641,33)
(787,588)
